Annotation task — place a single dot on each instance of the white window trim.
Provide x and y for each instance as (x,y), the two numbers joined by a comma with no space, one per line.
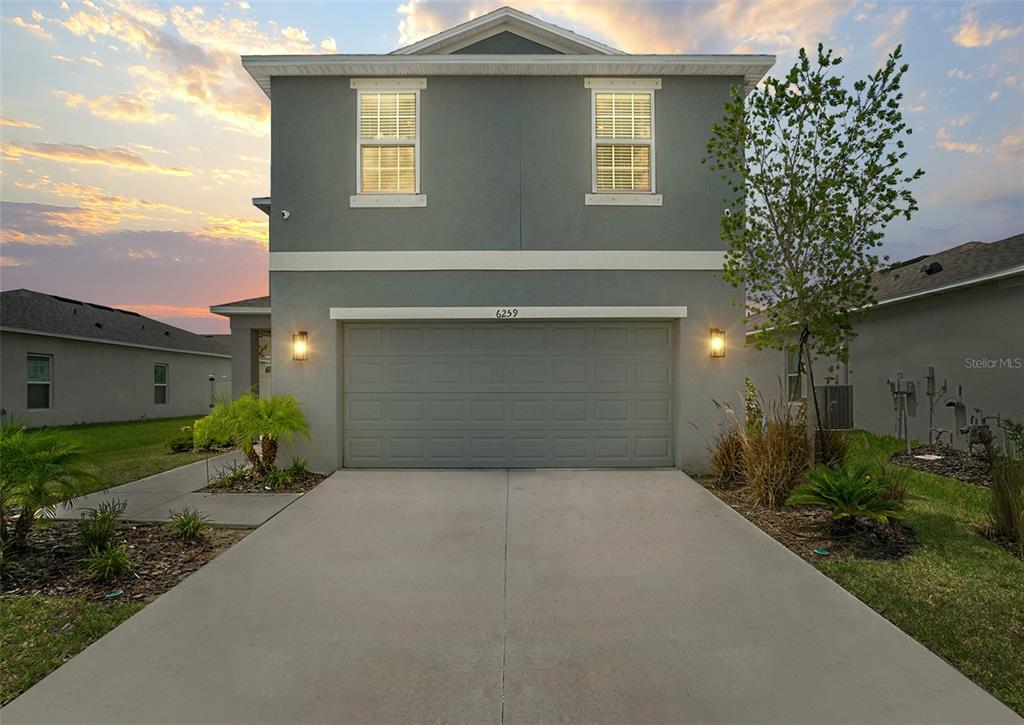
(49,382)
(166,385)
(619,198)
(386,199)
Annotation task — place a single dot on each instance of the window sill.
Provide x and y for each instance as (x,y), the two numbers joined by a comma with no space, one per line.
(386,201)
(623,200)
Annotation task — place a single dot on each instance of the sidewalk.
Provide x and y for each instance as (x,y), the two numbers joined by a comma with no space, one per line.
(156,497)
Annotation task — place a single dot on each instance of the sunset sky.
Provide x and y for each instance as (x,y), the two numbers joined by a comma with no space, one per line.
(132,140)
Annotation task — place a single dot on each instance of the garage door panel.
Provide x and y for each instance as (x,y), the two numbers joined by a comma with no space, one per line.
(508,394)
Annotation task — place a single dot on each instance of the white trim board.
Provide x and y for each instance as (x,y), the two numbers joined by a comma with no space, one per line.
(79,338)
(516,260)
(507,314)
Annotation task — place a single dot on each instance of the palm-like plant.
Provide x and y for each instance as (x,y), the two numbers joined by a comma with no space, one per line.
(250,421)
(852,492)
(37,473)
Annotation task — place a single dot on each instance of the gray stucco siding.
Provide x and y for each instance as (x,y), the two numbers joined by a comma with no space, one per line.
(95,382)
(505,163)
(302,301)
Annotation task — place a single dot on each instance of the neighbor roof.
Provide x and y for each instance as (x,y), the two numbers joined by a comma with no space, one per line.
(970,261)
(251,306)
(23,310)
(962,266)
(439,55)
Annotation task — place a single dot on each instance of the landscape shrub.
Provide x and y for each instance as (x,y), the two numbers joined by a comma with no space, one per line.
(190,524)
(775,457)
(254,424)
(37,473)
(98,527)
(1006,509)
(851,492)
(230,474)
(753,407)
(297,468)
(108,564)
(726,449)
(833,449)
(277,478)
(182,442)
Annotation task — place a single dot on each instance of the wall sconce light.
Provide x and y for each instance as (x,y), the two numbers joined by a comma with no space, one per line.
(716,342)
(300,345)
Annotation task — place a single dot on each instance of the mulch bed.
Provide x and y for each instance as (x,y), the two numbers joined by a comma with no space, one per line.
(954,463)
(252,483)
(51,565)
(802,529)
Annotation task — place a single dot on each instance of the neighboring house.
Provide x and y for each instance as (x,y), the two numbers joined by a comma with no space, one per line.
(497,247)
(959,312)
(63,361)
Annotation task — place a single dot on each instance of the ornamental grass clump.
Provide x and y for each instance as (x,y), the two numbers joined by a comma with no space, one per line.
(775,457)
(1006,510)
(726,449)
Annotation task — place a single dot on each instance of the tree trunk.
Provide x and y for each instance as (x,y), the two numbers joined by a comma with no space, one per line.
(268,452)
(19,539)
(815,436)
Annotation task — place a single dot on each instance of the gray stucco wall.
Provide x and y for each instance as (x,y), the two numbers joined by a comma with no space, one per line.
(302,301)
(95,382)
(505,164)
(953,332)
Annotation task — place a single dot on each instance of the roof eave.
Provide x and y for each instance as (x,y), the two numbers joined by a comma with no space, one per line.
(262,67)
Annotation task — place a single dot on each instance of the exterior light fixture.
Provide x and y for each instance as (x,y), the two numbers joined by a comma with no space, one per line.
(300,345)
(716,342)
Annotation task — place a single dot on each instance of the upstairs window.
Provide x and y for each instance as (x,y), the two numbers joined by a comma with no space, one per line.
(388,156)
(39,381)
(623,141)
(160,384)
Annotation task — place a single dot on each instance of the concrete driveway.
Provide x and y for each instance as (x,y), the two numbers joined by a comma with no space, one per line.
(496,597)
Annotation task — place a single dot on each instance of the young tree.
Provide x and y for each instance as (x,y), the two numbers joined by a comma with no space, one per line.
(817,174)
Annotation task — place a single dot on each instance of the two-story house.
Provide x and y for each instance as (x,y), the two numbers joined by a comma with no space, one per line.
(497,247)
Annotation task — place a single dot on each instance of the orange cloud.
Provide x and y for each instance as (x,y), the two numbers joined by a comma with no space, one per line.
(17,123)
(34,28)
(126,106)
(1011,146)
(12,262)
(92,61)
(116,158)
(235,229)
(159,311)
(970,34)
(945,142)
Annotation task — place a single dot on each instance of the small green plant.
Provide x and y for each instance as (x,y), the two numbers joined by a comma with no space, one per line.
(230,474)
(852,492)
(182,441)
(297,469)
(254,424)
(1006,510)
(277,478)
(190,524)
(108,564)
(98,526)
(1015,436)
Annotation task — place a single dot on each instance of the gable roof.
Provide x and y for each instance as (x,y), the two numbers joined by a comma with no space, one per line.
(23,310)
(510,20)
(439,55)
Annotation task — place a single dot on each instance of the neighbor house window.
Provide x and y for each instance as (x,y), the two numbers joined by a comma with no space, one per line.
(388,142)
(794,381)
(623,141)
(40,370)
(160,384)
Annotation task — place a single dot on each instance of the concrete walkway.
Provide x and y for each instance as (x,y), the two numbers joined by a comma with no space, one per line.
(495,597)
(155,497)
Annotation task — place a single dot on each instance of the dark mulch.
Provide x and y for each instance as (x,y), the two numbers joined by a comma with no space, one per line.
(160,559)
(954,463)
(251,483)
(802,529)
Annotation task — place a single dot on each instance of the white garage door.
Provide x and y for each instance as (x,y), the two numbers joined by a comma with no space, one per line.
(508,394)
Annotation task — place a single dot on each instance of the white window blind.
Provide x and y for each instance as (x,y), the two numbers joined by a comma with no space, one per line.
(623,141)
(388,155)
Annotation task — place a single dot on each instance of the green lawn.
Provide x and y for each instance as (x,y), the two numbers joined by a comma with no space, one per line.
(38,634)
(959,594)
(123,452)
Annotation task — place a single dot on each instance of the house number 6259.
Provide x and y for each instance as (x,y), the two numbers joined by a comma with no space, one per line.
(504,313)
